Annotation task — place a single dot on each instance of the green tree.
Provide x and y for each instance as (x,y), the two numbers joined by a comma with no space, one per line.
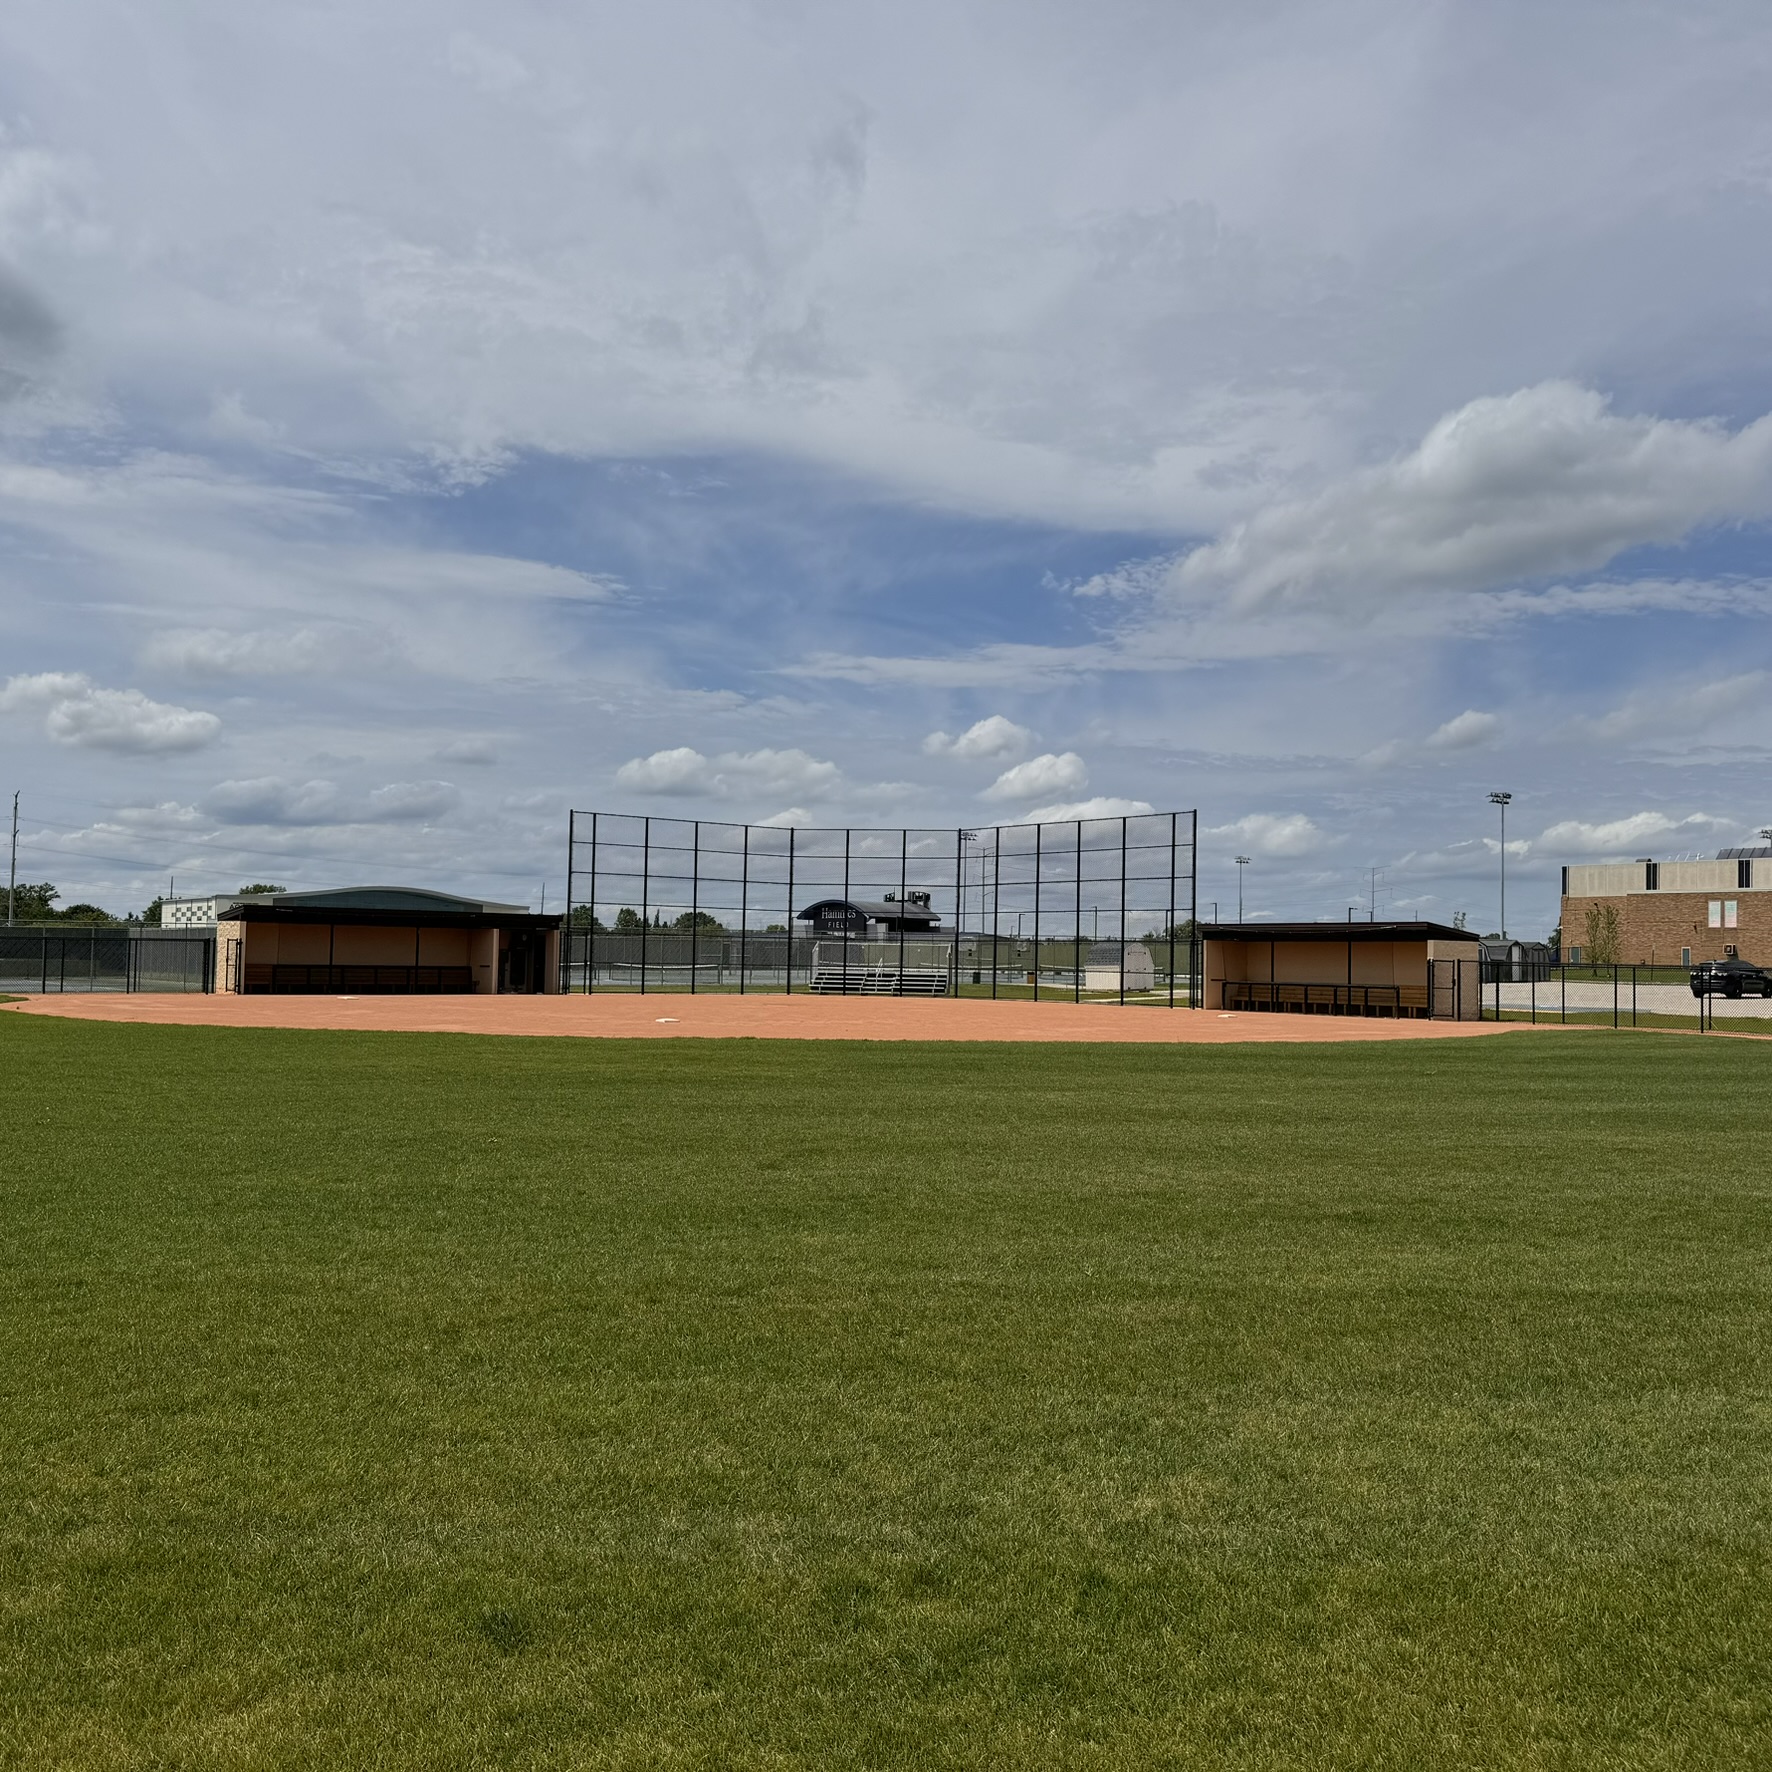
(583,917)
(34,904)
(151,916)
(699,920)
(1603,935)
(82,914)
(627,922)
(247,891)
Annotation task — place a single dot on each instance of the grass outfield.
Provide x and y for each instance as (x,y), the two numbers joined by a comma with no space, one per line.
(437,1401)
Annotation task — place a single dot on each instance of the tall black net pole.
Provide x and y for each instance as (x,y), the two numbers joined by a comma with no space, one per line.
(1123,823)
(904,863)
(645,896)
(566,945)
(789,969)
(959,902)
(1077,940)
(591,932)
(845,915)
(996,887)
(694,904)
(1038,829)
(1172,822)
(1196,964)
(744,900)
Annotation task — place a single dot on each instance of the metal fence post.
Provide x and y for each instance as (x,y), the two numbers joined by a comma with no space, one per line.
(1039,829)
(1172,822)
(591,931)
(904,863)
(744,901)
(996,885)
(1077,942)
(694,905)
(789,970)
(1123,825)
(645,890)
(566,943)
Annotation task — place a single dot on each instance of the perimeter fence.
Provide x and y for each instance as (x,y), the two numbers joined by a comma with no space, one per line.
(1619,996)
(1082,909)
(103,958)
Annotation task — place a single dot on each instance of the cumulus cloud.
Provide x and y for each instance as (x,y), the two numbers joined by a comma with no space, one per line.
(1684,710)
(1464,731)
(684,770)
(1054,773)
(272,800)
(1100,806)
(1270,834)
(987,740)
(76,711)
(1626,836)
(1548,480)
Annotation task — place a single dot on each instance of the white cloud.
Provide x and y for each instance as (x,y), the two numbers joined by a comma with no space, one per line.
(684,770)
(1270,834)
(272,800)
(76,711)
(1101,806)
(1625,836)
(290,652)
(986,740)
(1542,482)
(468,749)
(1053,773)
(793,815)
(1464,732)
(1668,715)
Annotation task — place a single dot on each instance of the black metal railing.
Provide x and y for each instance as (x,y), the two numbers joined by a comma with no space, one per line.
(1620,996)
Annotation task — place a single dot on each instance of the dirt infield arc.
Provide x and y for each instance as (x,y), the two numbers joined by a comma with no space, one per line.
(759,1018)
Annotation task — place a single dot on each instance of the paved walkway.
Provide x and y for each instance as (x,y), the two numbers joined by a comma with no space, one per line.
(609,1016)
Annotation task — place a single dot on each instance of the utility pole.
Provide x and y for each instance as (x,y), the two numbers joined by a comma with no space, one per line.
(1242,862)
(12,873)
(1501,800)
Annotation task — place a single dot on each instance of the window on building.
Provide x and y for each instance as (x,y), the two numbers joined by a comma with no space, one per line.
(1744,874)
(1575,956)
(1716,913)
(1729,913)
(1685,956)
(1651,876)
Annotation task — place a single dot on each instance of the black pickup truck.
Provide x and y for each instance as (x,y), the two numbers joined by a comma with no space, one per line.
(1730,978)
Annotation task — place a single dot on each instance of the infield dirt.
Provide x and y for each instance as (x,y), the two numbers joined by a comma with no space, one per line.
(632,1017)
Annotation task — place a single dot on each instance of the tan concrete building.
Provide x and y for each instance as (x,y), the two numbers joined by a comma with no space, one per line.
(382,940)
(1410,969)
(1671,913)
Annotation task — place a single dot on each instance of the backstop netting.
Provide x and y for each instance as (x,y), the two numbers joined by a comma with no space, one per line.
(1094,908)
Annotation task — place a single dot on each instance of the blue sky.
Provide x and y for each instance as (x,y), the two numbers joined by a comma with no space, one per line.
(418,419)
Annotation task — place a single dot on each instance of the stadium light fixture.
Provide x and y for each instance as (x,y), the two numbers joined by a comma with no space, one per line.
(1501,800)
(1242,862)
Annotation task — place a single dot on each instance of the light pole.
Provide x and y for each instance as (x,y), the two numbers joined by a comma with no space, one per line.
(965,838)
(12,875)
(1242,862)
(1501,800)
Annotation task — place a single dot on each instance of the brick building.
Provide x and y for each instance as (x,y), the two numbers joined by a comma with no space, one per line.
(1674,913)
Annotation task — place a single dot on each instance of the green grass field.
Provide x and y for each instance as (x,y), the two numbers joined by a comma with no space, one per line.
(425,1401)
